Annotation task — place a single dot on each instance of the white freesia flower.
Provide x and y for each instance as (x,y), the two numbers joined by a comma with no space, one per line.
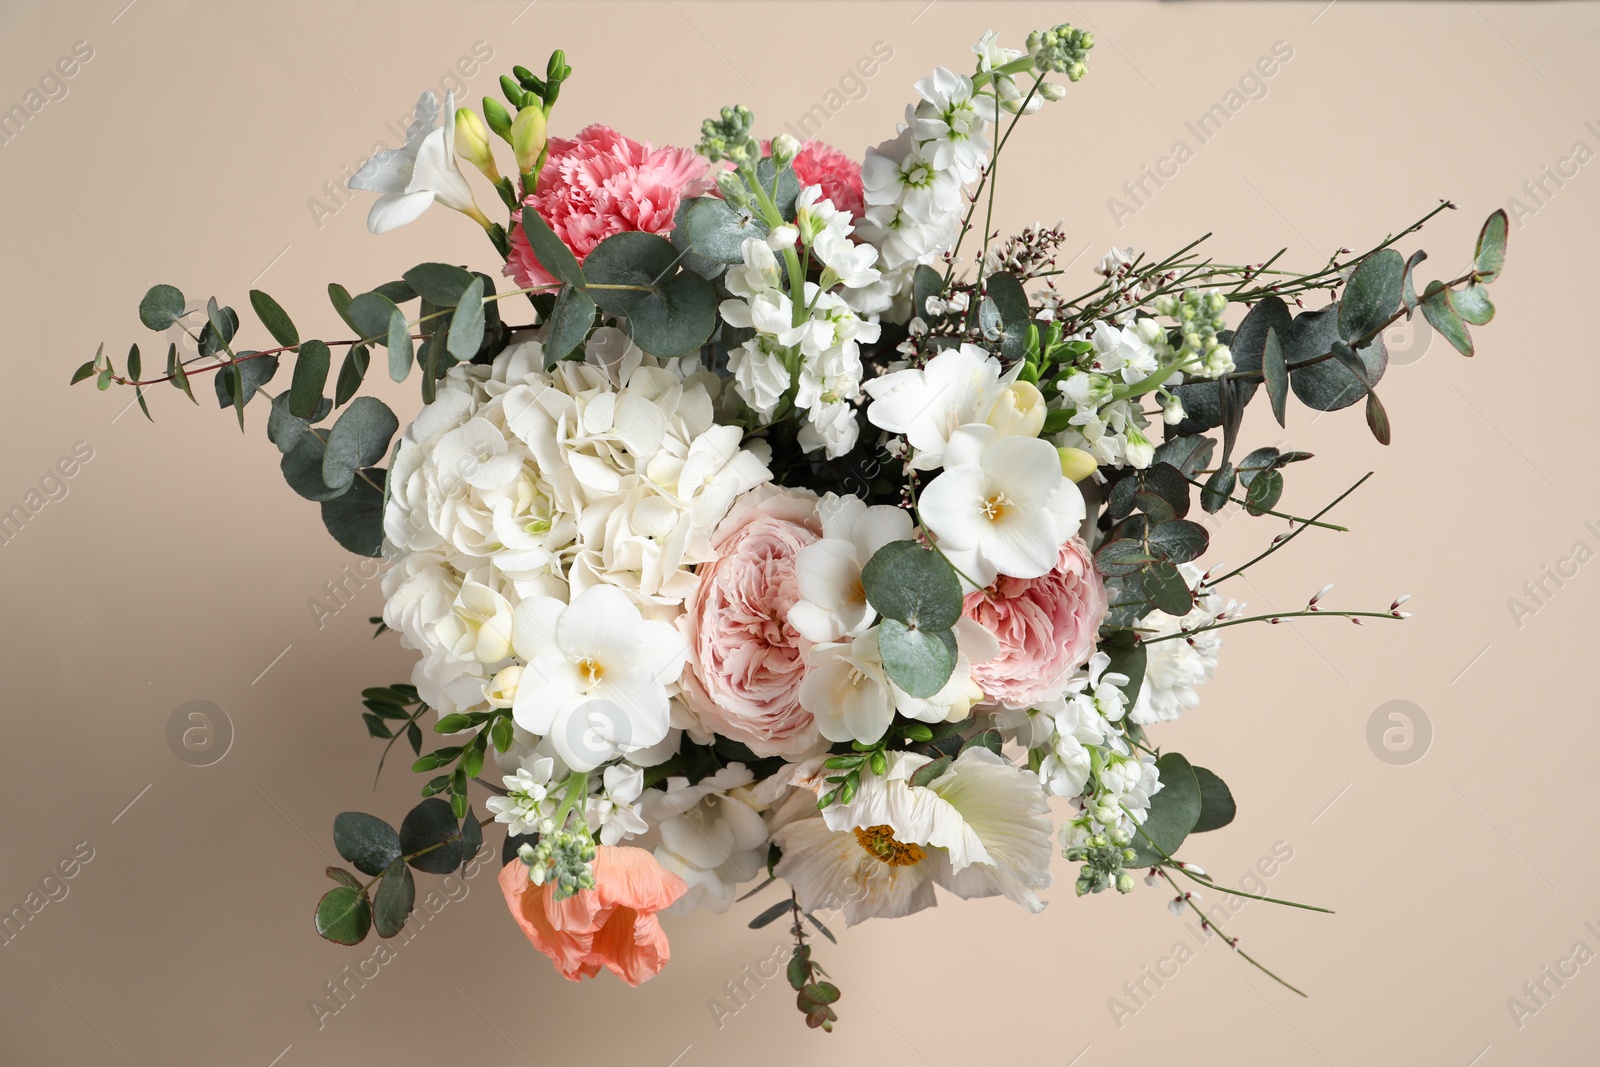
(979,829)
(927,404)
(408,180)
(598,675)
(711,836)
(833,604)
(1001,505)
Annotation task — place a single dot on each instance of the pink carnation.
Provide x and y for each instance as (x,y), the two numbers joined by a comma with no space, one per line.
(745,660)
(601,183)
(1046,627)
(822,164)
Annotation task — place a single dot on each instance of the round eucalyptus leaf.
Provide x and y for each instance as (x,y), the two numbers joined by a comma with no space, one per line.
(396,895)
(1328,385)
(1173,813)
(366,841)
(670,312)
(355,517)
(913,585)
(161,306)
(426,825)
(1216,802)
(344,915)
(918,661)
(358,439)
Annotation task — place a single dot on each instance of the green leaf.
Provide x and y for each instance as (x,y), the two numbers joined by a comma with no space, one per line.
(716,231)
(179,376)
(302,469)
(821,993)
(1015,314)
(251,374)
(471,836)
(1275,375)
(161,306)
(1442,316)
(989,739)
(274,318)
(1173,813)
(1168,589)
(1189,453)
(366,841)
(438,283)
(502,734)
(85,371)
(371,313)
(553,255)
(786,183)
(674,312)
(466,325)
(1264,492)
(1121,557)
(351,372)
(1216,802)
(1408,286)
(359,439)
(344,916)
(342,876)
(1178,541)
(138,394)
(135,366)
(1219,487)
(918,661)
(1372,294)
(355,517)
(770,915)
(339,297)
(1377,419)
(1128,657)
(930,771)
(570,322)
(286,430)
(913,585)
(221,324)
(798,973)
(399,292)
(1490,256)
(401,355)
(310,375)
(426,825)
(1472,304)
(1328,385)
(376,727)
(397,893)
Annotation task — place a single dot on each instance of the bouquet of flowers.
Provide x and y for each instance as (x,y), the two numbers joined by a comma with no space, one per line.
(802,531)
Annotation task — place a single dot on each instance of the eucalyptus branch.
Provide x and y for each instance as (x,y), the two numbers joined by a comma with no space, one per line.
(452,839)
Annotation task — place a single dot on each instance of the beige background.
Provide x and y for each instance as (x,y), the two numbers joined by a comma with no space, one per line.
(178,567)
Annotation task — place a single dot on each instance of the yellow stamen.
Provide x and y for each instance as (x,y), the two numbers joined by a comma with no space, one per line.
(879,843)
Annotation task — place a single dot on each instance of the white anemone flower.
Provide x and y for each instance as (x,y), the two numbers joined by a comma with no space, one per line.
(597,676)
(979,829)
(1001,506)
(408,180)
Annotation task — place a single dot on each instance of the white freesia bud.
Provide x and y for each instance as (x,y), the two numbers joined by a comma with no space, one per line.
(501,690)
(782,237)
(1019,411)
(1076,464)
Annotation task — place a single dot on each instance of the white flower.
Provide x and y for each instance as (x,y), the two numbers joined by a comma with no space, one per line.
(760,374)
(711,836)
(1124,353)
(1001,506)
(1174,669)
(408,180)
(898,173)
(597,678)
(1115,260)
(852,698)
(833,604)
(990,55)
(612,812)
(527,804)
(980,829)
(478,626)
(956,387)
(950,122)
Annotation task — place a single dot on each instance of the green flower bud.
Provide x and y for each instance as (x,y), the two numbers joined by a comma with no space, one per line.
(498,118)
(528,137)
(472,143)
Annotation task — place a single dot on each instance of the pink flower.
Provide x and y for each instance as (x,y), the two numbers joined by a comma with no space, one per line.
(613,925)
(1047,628)
(601,183)
(840,176)
(745,660)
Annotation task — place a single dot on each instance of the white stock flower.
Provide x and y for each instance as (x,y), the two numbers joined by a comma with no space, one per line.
(760,374)
(527,804)
(1001,505)
(1175,669)
(598,675)
(408,180)
(613,811)
(950,122)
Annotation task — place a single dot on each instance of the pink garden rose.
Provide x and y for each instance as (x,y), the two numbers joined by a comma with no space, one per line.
(745,660)
(613,925)
(1047,628)
(601,183)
